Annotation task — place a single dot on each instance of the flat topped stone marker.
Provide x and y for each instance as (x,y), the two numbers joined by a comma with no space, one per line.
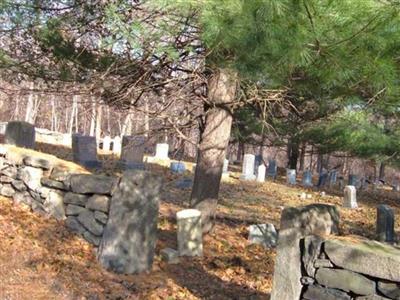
(248,167)
(84,149)
(307,178)
(162,151)
(350,197)
(106,143)
(117,145)
(291,176)
(132,152)
(272,170)
(385,223)
(189,232)
(20,134)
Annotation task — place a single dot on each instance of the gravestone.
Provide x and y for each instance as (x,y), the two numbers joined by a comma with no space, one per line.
(248,167)
(106,143)
(225,166)
(117,145)
(291,176)
(130,236)
(162,151)
(350,197)
(263,234)
(20,134)
(322,179)
(261,173)
(132,152)
(385,223)
(177,167)
(272,169)
(257,161)
(352,180)
(84,150)
(307,178)
(189,232)
(332,177)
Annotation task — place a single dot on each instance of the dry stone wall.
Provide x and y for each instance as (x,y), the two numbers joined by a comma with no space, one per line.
(50,187)
(344,269)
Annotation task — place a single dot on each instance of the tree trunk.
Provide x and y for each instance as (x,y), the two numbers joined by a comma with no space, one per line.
(302,156)
(98,122)
(213,143)
(382,171)
(240,151)
(293,153)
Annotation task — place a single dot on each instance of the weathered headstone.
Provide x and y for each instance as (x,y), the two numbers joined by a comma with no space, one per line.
(297,223)
(106,143)
(322,179)
(248,167)
(291,176)
(84,150)
(352,180)
(117,145)
(257,161)
(307,178)
(189,232)
(261,173)
(272,169)
(20,134)
(385,223)
(130,236)
(225,166)
(332,177)
(162,151)
(350,197)
(263,234)
(132,152)
(177,167)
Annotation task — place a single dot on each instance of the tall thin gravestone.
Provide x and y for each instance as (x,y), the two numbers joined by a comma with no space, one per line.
(20,134)
(385,223)
(106,143)
(352,180)
(350,197)
(84,150)
(248,167)
(117,145)
(130,236)
(272,170)
(261,173)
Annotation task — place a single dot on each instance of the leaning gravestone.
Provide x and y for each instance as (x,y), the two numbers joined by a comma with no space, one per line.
(291,176)
(385,223)
(261,173)
(162,151)
(248,167)
(130,236)
(20,134)
(307,178)
(350,197)
(189,232)
(132,152)
(84,150)
(297,223)
(272,169)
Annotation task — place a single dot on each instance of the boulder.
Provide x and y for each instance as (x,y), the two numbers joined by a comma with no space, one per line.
(31,177)
(345,280)
(312,248)
(74,225)
(74,210)
(10,171)
(18,185)
(389,289)
(54,184)
(98,202)
(263,234)
(91,238)
(86,218)
(92,184)
(37,162)
(54,205)
(6,179)
(15,158)
(169,255)
(317,292)
(101,217)
(60,173)
(77,199)
(360,256)
(7,190)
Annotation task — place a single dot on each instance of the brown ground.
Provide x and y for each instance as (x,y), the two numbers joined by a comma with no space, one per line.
(40,259)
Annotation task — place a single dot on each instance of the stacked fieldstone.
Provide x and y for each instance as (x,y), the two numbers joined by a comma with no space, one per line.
(349,269)
(82,200)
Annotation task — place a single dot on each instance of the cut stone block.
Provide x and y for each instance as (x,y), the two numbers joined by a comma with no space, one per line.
(189,232)
(263,234)
(20,134)
(170,256)
(130,236)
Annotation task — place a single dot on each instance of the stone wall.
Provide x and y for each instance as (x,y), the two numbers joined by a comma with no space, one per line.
(344,268)
(56,188)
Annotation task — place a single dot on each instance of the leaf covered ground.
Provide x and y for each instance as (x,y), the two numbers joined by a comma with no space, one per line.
(40,259)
